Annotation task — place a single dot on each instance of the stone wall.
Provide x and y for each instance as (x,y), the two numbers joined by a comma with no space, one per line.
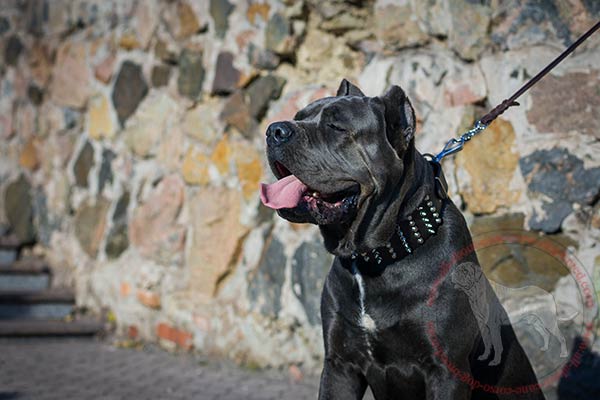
(132,146)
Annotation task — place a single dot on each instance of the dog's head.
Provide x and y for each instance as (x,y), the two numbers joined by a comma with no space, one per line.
(465,276)
(339,164)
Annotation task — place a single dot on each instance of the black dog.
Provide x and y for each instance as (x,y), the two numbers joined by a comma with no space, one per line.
(392,319)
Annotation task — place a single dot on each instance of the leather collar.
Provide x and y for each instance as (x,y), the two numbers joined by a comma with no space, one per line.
(413,230)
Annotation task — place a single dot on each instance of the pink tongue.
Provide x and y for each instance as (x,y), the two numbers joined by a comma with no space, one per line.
(285,193)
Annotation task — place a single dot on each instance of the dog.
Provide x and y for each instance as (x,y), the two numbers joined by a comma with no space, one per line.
(544,318)
(391,319)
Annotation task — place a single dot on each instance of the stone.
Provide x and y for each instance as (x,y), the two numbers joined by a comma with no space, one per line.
(18,209)
(129,90)
(258,10)
(170,152)
(515,257)
(40,63)
(279,36)
(397,25)
(217,237)
(179,337)
(310,266)
(4,25)
(195,167)
(227,77)
(221,156)
(45,223)
(491,172)
(117,240)
(90,225)
(104,70)
(105,175)
(236,114)
(182,21)
(260,93)
(160,75)
(219,11)
(433,15)
(191,74)
(129,41)
(29,155)
(35,95)
(147,17)
(12,50)
(567,103)
(470,25)
(264,289)
(152,119)
(165,52)
(71,77)
(248,162)
(83,164)
(149,298)
(154,230)
(202,124)
(561,179)
(100,118)
(262,58)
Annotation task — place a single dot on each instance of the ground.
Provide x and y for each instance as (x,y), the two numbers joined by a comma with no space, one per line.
(92,369)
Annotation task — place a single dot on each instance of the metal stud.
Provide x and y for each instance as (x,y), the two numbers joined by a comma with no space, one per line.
(435,215)
(426,197)
(411,223)
(409,217)
(414,228)
(432,209)
(422,213)
(430,231)
(429,203)
(417,234)
(438,220)
(420,240)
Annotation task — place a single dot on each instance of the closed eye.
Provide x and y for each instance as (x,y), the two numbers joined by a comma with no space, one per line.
(336,128)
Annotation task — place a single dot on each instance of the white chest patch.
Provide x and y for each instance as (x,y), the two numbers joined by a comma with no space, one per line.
(365,320)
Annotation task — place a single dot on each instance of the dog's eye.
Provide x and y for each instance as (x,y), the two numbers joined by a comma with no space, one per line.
(336,128)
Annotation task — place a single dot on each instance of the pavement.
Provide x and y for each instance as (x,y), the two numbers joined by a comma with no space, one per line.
(92,369)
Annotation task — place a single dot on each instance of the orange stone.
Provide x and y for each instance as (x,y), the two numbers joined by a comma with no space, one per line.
(220,156)
(180,337)
(195,167)
(125,289)
(29,157)
(148,298)
(255,9)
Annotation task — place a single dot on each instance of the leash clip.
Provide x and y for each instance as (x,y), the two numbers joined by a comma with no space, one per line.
(455,145)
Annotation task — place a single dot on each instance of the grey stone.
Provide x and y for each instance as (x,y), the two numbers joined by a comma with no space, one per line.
(13,50)
(4,25)
(45,222)
(264,289)
(105,175)
(90,225)
(118,240)
(18,209)
(71,117)
(236,113)
(555,214)
(261,91)
(227,76)
(83,164)
(191,74)
(561,176)
(160,75)
(262,58)
(278,35)
(220,10)
(129,90)
(310,266)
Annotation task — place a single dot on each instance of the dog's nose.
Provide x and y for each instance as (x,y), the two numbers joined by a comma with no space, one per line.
(279,132)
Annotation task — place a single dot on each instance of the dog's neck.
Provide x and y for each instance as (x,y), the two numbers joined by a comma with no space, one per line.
(420,200)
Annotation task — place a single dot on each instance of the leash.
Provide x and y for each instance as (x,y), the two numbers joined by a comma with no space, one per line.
(455,145)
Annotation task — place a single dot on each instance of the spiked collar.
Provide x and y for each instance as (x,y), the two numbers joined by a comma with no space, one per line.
(414,230)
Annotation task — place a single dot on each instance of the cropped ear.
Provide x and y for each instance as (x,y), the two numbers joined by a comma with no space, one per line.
(348,89)
(400,118)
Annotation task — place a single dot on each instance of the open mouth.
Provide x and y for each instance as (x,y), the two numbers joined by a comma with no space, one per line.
(289,192)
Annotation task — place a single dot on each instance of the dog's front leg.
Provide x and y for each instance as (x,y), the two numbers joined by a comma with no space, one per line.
(443,385)
(341,382)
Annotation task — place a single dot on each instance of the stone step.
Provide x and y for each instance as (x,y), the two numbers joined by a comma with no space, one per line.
(45,304)
(25,275)
(31,327)
(9,249)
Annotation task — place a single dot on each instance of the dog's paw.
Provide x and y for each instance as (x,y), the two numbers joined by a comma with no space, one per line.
(494,362)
